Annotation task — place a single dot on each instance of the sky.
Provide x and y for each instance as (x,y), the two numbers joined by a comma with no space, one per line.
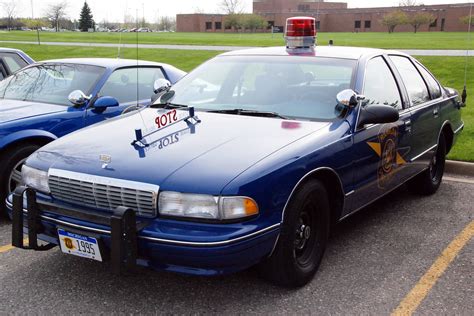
(114,10)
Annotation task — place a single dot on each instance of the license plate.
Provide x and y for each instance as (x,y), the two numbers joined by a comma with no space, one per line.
(79,245)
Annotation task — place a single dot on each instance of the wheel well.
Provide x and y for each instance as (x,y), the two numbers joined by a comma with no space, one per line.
(39,140)
(448,136)
(333,186)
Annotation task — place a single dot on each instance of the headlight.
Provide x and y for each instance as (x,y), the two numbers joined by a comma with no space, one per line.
(35,179)
(205,206)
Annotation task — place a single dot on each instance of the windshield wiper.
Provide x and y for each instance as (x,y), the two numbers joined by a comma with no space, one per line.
(168,105)
(249,113)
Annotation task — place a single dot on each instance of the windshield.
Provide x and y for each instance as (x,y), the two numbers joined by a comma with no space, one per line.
(50,83)
(291,86)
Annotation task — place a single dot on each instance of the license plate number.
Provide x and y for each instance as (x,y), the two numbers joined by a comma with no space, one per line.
(79,245)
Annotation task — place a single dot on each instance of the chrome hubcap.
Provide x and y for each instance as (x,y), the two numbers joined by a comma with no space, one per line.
(303,233)
(15,179)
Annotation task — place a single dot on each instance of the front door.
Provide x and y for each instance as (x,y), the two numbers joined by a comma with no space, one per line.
(380,150)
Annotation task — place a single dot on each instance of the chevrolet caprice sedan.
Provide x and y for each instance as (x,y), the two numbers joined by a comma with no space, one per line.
(247,160)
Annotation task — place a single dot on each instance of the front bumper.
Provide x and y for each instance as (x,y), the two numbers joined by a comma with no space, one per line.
(127,241)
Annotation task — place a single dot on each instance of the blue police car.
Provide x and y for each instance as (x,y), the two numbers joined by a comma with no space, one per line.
(247,160)
(50,99)
(12,60)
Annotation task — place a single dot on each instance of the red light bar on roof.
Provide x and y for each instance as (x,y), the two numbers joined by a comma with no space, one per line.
(300,32)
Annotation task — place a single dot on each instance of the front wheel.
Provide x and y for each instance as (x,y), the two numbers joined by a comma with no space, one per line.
(428,182)
(10,171)
(303,238)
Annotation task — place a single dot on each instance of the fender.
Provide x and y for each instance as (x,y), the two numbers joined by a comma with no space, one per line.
(25,134)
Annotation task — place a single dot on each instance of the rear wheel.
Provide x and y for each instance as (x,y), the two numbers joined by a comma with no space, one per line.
(10,171)
(302,240)
(428,182)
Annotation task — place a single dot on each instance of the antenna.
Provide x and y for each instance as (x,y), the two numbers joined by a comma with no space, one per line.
(464,91)
(136,31)
(119,45)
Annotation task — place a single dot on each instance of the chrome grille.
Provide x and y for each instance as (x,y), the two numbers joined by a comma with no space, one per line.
(102,192)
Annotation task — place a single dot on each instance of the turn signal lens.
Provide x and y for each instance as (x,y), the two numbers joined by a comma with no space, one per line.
(238,207)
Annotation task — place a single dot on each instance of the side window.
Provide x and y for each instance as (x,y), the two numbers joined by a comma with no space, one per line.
(13,61)
(122,84)
(433,86)
(414,84)
(380,86)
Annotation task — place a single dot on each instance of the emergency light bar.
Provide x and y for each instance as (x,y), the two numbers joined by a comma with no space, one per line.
(300,32)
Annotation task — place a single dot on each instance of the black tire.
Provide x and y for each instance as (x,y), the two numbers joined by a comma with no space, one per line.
(428,182)
(12,158)
(297,255)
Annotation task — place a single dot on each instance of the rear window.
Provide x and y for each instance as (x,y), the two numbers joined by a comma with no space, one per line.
(13,61)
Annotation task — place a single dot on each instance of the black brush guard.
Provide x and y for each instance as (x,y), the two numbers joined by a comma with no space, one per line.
(123,224)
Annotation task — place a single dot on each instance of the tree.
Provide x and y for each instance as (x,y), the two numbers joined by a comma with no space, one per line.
(466,19)
(9,7)
(55,13)
(407,3)
(167,23)
(420,18)
(393,19)
(86,20)
(35,23)
(234,21)
(254,22)
(232,6)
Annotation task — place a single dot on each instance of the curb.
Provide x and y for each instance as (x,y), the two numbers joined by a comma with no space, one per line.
(460,168)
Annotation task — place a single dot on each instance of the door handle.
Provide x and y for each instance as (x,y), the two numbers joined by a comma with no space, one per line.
(408,126)
(436,112)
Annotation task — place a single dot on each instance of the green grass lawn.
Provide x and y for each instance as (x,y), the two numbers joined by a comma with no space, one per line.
(183,59)
(449,70)
(422,40)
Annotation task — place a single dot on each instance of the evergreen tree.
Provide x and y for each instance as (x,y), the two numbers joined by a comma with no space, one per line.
(86,20)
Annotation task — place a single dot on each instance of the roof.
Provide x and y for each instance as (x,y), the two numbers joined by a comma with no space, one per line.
(104,62)
(320,51)
(9,50)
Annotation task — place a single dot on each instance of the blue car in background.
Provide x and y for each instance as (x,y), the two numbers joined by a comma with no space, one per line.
(53,98)
(12,60)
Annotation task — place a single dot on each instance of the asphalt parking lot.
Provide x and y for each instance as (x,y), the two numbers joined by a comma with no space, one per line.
(386,256)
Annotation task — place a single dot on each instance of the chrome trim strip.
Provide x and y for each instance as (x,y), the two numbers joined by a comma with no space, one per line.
(460,128)
(161,240)
(303,178)
(379,197)
(213,243)
(350,193)
(429,149)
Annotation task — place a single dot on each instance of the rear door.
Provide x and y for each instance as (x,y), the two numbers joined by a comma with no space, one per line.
(130,86)
(424,108)
(380,150)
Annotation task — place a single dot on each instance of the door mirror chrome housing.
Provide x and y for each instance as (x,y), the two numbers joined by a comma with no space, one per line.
(77,97)
(161,85)
(348,98)
(377,114)
(105,102)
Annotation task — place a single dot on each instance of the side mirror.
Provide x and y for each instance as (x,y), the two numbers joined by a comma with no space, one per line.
(377,114)
(105,102)
(347,99)
(161,85)
(77,97)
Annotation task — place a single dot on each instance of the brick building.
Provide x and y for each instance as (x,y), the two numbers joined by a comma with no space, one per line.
(331,16)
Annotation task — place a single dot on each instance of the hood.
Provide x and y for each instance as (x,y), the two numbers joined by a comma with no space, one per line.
(11,110)
(201,157)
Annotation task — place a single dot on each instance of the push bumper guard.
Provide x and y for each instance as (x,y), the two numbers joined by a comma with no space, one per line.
(123,224)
